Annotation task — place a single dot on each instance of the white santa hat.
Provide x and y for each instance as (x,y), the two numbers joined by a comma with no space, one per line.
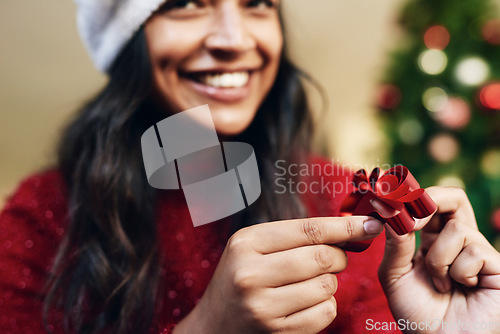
(106,26)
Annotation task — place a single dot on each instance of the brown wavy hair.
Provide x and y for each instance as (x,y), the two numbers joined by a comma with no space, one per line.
(106,274)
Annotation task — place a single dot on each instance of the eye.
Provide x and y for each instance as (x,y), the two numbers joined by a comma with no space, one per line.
(261,4)
(180,4)
(185,4)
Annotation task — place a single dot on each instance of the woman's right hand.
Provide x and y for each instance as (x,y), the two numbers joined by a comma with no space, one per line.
(278,277)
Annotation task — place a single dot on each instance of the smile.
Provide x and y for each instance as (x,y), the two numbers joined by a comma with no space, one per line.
(224,86)
(226,80)
(221,79)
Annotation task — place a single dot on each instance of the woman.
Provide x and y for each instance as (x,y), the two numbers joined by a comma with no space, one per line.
(124,258)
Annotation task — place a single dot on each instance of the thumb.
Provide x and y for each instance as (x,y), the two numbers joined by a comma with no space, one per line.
(398,256)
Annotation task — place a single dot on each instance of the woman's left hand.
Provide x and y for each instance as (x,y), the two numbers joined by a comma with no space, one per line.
(453,281)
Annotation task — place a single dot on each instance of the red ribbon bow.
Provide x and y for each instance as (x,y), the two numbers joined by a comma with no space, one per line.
(394,197)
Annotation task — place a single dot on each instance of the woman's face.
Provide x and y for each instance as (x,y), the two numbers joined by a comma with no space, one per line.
(224,53)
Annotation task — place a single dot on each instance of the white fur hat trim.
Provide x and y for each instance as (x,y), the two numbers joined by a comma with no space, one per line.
(106,26)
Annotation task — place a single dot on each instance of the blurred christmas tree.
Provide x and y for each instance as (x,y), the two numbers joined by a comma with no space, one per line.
(440,100)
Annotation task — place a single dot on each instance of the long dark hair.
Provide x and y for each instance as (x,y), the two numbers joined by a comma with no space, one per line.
(105,276)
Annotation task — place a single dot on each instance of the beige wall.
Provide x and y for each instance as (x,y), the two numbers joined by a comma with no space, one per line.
(344,45)
(45,73)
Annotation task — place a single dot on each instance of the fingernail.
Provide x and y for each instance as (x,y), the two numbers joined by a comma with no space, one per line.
(373,226)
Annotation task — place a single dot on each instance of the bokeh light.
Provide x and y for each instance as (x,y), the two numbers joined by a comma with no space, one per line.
(455,114)
(451,181)
(432,61)
(411,131)
(434,99)
(388,97)
(491,31)
(490,163)
(437,37)
(472,71)
(490,96)
(443,148)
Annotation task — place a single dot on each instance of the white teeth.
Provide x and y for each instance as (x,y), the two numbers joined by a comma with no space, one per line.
(226,80)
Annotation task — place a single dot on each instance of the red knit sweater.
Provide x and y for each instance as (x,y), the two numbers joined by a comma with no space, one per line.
(33,223)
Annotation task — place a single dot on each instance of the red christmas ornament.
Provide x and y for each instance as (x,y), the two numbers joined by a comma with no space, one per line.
(436,37)
(388,97)
(491,32)
(495,219)
(489,96)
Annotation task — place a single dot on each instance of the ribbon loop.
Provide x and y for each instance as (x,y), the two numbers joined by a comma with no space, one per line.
(394,196)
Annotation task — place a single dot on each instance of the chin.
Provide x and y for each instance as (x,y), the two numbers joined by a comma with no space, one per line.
(231,122)
(231,127)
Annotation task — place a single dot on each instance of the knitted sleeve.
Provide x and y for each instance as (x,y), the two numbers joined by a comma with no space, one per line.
(32,223)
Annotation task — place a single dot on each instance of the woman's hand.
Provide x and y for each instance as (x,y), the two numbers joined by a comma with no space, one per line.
(278,277)
(453,280)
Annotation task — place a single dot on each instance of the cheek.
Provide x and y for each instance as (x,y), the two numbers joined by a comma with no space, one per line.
(171,42)
(270,39)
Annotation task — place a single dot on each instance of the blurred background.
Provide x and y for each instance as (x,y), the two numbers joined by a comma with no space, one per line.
(412,82)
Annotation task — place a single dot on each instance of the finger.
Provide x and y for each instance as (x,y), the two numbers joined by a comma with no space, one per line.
(448,245)
(398,256)
(282,235)
(298,264)
(399,251)
(303,294)
(452,203)
(311,320)
(467,266)
(477,264)
(442,253)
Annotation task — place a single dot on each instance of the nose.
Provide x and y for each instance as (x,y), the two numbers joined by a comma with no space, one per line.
(228,34)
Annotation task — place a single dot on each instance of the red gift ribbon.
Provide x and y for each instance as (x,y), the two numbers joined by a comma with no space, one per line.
(399,196)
